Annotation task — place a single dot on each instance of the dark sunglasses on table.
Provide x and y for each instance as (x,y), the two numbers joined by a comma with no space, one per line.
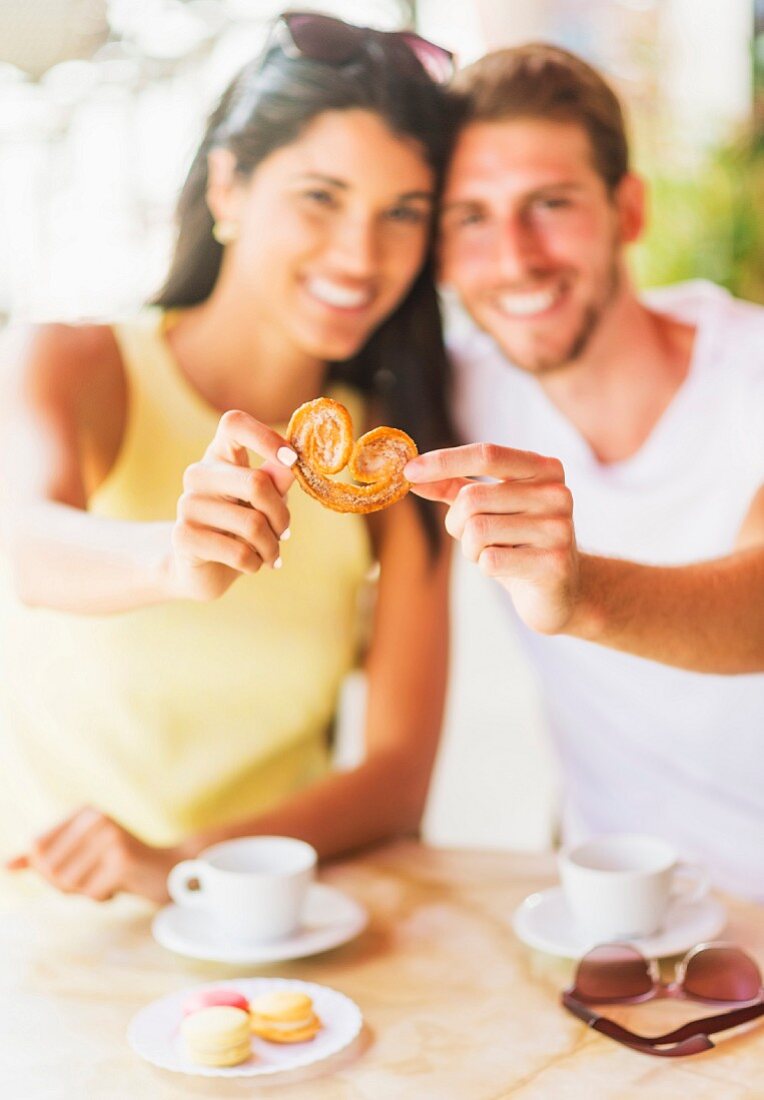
(711,973)
(324,38)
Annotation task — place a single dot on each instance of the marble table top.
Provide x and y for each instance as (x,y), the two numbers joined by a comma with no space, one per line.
(454,1005)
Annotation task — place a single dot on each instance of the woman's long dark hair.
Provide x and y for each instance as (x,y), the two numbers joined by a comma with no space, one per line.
(403,366)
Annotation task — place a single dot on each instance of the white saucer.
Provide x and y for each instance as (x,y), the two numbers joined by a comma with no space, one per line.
(154,1031)
(545,922)
(330,918)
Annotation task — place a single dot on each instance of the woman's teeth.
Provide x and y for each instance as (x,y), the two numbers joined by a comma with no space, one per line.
(332,294)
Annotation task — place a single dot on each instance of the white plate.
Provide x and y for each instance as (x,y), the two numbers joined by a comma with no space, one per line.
(154,1032)
(544,921)
(330,918)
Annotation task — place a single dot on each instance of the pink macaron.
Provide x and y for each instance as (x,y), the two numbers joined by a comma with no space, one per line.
(210,998)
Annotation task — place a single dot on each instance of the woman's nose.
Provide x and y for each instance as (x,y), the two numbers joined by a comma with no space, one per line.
(354,247)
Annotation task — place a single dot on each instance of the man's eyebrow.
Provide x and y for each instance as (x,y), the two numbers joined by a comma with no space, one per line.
(461,204)
(563,185)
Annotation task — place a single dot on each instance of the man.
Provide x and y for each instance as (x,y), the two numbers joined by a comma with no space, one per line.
(654,411)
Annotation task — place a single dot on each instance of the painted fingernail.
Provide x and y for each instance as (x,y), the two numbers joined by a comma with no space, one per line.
(286,534)
(286,456)
(278,563)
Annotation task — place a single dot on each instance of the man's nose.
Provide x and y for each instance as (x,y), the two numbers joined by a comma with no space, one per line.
(517,247)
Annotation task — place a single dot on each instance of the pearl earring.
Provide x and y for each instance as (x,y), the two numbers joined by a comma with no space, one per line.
(225,231)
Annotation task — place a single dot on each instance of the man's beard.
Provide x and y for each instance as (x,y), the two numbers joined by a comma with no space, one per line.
(545,362)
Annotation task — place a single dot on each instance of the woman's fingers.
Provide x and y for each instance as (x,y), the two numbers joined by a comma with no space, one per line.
(247,524)
(252,487)
(206,545)
(238,430)
(52,848)
(86,857)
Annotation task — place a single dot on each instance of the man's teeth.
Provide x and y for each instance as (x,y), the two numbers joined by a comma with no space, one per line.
(525,305)
(334,295)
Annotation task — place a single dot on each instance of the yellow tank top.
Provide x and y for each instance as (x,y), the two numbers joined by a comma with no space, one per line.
(176,717)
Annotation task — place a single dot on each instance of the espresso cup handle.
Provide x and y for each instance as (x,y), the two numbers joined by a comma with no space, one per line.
(695,885)
(178,880)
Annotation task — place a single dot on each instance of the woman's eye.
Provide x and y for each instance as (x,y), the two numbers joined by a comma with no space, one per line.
(319,197)
(409,214)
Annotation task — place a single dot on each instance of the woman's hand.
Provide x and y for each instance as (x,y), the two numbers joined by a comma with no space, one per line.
(230,517)
(90,854)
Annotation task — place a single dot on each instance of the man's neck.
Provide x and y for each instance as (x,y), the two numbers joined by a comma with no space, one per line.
(617,391)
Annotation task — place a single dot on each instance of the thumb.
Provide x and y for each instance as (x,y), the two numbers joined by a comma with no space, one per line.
(444,491)
(281,476)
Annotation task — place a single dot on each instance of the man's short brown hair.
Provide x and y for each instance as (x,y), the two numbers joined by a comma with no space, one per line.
(546,82)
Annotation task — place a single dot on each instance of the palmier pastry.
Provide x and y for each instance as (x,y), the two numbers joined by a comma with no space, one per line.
(321,432)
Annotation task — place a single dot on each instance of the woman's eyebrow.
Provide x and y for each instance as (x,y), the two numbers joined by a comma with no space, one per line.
(331,180)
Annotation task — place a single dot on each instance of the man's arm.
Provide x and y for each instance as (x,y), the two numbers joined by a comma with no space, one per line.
(705,617)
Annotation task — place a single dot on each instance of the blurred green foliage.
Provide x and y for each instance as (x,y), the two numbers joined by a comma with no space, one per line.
(709,224)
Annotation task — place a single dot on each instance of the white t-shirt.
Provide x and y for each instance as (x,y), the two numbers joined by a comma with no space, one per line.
(645,747)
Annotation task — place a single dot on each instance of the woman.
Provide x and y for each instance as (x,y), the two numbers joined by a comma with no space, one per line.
(173,674)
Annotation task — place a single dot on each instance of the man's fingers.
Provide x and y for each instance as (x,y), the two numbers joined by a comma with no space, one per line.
(443,491)
(481,460)
(238,429)
(539,532)
(531,498)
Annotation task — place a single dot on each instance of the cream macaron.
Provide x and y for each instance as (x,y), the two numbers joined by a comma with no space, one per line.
(284,1017)
(217,1036)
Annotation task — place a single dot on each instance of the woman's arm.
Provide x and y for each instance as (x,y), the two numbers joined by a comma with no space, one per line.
(66,403)
(382,797)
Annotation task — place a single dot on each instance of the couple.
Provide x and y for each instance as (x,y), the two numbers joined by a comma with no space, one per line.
(182,675)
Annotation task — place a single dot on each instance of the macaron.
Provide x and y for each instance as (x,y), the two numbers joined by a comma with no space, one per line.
(284,1017)
(217,1036)
(208,998)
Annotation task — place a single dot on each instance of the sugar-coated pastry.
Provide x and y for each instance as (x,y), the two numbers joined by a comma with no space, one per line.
(217,1036)
(208,998)
(284,1017)
(321,432)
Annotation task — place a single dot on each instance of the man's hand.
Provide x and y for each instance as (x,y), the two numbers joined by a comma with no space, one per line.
(518,528)
(90,854)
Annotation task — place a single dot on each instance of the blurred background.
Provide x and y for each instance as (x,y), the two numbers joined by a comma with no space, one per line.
(101,103)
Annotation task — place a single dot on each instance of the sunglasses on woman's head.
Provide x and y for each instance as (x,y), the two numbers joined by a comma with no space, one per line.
(324,38)
(711,973)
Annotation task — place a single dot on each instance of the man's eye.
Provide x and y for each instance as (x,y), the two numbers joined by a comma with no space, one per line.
(462,220)
(552,204)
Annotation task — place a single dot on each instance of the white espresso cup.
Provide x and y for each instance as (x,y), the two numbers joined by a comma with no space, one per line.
(253,888)
(620,886)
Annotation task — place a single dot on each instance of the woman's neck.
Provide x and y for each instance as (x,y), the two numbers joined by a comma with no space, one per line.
(236,359)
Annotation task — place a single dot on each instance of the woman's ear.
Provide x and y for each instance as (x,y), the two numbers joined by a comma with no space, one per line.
(223,195)
(631,202)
